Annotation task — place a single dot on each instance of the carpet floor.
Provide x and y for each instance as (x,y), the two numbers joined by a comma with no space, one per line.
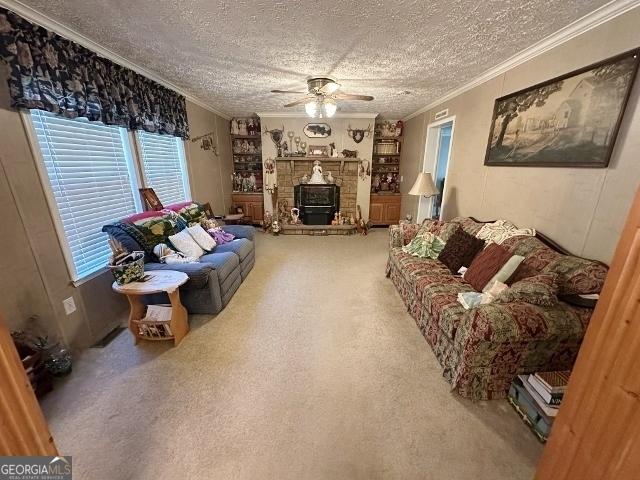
(313,371)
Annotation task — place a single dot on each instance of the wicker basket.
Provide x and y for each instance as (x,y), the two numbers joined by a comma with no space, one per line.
(129,272)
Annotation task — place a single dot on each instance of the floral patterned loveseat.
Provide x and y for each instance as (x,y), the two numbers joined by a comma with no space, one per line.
(482,349)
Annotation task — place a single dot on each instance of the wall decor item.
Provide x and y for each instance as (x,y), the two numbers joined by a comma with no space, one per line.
(569,121)
(49,72)
(207,142)
(276,135)
(364,169)
(318,151)
(317,130)
(358,134)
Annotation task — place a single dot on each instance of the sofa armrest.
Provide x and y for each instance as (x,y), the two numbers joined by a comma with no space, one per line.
(240,231)
(400,235)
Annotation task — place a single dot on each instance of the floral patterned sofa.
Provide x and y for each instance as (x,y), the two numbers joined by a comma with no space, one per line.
(482,349)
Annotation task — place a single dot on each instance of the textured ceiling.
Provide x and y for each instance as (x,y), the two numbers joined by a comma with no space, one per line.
(231,54)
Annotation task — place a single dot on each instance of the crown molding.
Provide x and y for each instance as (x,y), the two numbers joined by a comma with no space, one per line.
(304,115)
(49,23)
(591,20)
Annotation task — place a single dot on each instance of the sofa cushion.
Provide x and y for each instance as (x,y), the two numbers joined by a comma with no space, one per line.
(192,213)
(486,264)
(154,227)
(460,250)
(408,264)
(240,231)
(240,246)
(185,243)
(468,225)
(501,230)
(197,272)
(424,245)
(539,290)
(121,232)
(224,263)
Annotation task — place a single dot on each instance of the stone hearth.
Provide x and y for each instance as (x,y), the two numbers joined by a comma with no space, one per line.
(343,170)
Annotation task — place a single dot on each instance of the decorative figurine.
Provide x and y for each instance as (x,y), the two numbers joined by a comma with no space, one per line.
(375,183)
(304,179)
(251,129)
(252,182)
(316,176)
(330,178)
(352,221)
(235,129)
(334,152)
(303,148)
(297,140)
(335,219)
(245,146)
(242,125)
(364,170)
(349,153)
(295,216)
(285,149)
(275,227)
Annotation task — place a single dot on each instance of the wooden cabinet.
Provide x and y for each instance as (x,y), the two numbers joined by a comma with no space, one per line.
(252,205)
(384,209)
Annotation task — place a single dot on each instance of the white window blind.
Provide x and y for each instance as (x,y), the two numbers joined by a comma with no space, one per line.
(92,181)
(164,166)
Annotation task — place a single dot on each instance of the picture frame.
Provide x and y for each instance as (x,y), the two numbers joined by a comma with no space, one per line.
(208,211)
(317,130)
(569,121)
(318,151)
(150,199)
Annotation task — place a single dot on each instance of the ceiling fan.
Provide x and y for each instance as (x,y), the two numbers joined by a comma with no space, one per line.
(320,98)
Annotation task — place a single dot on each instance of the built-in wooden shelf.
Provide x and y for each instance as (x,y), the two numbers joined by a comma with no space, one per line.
(342,160)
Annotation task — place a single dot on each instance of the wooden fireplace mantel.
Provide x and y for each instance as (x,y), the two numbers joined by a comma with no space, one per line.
(342,160)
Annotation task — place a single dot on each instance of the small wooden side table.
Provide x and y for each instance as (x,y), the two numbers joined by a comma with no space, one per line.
(174,325)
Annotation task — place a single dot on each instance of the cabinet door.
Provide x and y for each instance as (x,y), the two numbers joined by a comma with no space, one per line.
(376,212)
(255,211)
(392,213)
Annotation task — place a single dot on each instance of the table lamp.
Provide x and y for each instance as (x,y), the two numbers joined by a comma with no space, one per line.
(424,186)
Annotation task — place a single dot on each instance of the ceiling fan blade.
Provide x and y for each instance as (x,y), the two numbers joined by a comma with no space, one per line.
(329,88)
(287,91)
(350,96)
(298,102)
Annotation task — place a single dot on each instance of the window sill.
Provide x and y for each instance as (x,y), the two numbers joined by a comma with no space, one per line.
(91,276)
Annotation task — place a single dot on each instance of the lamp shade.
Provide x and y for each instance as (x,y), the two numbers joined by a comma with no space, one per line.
(424,186)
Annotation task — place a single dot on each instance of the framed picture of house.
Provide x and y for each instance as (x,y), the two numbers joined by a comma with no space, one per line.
(569,121)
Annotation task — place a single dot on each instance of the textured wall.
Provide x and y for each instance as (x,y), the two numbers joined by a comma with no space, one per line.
(582,209)
(338,136)
(35,279)
(209,175)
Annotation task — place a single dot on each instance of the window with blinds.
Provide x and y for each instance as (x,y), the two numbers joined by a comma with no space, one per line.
(164,167)
(92,180)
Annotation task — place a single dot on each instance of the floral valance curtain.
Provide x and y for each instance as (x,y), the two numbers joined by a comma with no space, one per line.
(48,72)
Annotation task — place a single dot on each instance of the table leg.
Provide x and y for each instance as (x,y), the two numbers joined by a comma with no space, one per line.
(179,319)
(137,312)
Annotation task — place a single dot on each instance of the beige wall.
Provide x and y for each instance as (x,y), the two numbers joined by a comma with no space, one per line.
(582,209)
(209,175)
(35,279)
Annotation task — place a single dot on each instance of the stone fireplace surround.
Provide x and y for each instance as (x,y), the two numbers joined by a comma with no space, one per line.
(344,170)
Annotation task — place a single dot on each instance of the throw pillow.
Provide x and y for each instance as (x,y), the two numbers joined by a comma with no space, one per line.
(202,238)
(191,212)
(538,290)
(424,245)
(460,250)
(185,243)
(498,232)
(154,227)
(486,265)
(505,272)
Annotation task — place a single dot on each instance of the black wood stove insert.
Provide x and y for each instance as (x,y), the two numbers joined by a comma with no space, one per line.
(318,203)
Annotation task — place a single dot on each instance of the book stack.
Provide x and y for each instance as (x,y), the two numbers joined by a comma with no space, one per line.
(536,398)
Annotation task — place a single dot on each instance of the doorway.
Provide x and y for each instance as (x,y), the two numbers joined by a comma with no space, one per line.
(437,157)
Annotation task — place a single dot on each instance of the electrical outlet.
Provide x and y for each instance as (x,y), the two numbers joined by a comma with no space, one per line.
(69,305)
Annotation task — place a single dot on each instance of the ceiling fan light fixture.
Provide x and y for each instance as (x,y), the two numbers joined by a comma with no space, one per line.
(329,106)
(331,87)
(311,108)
